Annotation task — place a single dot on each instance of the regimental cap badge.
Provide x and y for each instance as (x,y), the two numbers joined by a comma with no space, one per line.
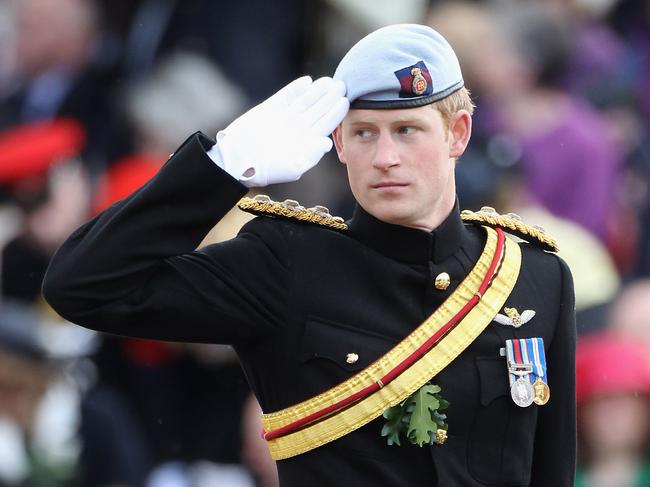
(414,80)
(419,84)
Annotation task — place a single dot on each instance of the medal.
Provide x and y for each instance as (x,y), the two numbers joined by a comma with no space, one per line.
(522,392)
(527,371)
(542,392)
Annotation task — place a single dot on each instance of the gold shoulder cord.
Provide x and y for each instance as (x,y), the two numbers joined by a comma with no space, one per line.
(511,223)
(291,209)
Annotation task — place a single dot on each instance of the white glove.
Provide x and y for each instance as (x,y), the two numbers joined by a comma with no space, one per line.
(283,137)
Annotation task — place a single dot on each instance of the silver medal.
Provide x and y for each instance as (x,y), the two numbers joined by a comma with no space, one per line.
(522,392)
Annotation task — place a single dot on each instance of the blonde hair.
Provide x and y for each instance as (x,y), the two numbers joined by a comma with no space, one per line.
(459,100)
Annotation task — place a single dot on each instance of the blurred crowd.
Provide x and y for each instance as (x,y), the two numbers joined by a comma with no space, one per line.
(95,95)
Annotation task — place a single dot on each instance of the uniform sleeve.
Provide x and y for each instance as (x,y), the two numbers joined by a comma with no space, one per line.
(555,438)
(134,270)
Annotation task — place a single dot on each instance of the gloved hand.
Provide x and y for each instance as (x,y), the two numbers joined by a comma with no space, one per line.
(283,137)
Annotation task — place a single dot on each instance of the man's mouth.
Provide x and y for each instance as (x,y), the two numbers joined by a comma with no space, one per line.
(389,184)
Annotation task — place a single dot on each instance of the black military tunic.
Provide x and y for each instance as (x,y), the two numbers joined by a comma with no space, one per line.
(295,298)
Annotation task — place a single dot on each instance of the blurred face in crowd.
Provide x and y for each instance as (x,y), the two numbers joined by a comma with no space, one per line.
(53,33)
(476,36)
(630,313)
(615,423)
(401,162)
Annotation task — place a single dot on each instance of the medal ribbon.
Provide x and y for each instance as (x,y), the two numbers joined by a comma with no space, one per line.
(536,347)
(526,351)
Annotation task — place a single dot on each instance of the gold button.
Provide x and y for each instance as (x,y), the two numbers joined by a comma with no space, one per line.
(442,281)
(351,358)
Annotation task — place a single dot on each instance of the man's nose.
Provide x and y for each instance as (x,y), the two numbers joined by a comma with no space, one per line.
(386,154)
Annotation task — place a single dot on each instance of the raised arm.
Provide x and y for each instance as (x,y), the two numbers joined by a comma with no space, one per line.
(134,270)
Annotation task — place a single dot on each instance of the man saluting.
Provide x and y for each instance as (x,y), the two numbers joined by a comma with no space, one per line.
(409,345)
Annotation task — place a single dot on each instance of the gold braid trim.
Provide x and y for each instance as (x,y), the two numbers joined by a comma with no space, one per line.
(291,209)
(511,223)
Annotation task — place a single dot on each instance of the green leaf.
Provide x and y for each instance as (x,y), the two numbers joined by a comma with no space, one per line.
(417,417)
(395,425)
(422,424)
(439,419)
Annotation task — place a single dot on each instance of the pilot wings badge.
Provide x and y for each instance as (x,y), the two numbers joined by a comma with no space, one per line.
(513,318)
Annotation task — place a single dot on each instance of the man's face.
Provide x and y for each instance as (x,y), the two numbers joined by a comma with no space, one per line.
(400,163)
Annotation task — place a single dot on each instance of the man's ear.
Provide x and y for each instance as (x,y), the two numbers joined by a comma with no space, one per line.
(460,130)
(338,143)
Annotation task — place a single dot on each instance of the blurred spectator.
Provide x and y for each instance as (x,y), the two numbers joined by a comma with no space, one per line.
(187,398)
(46,182)
(255,451)
(606,69)
(57,425)
(598,55)
(183,94)
(520,123)
(184,83)
(631,19)
(56,74)
(56,431)
(630,312)
(613,393)
(570,165)
(260,45)
(7,54)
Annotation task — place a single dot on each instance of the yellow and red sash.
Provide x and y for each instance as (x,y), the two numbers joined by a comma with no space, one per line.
(409,365)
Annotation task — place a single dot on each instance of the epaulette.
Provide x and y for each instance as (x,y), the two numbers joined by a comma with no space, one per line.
(261,204)
(511,223)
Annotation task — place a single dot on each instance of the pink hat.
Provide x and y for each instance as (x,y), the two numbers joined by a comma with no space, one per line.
(610,364)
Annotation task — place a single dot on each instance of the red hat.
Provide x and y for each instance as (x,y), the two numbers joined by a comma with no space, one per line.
(124,177)
(610,364)
(30,150)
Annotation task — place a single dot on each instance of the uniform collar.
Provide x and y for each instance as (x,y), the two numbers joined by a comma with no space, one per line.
(408,244)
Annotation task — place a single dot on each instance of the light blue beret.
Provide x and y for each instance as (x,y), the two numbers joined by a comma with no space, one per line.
(399,66)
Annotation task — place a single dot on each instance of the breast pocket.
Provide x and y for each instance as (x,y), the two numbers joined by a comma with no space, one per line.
(500,444)
(332,352)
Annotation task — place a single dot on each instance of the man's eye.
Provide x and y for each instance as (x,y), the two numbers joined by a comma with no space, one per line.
(363,133)
(406,130)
